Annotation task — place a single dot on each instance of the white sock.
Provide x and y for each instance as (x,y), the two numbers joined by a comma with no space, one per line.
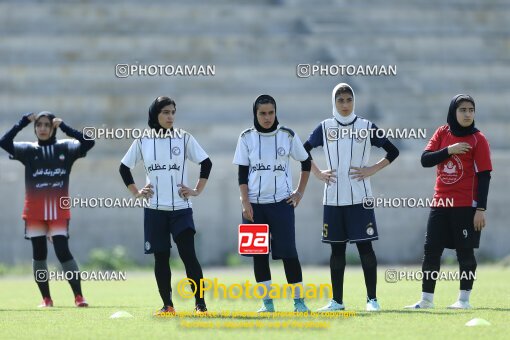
(464,295)
(427,296)
(297,290)
(267,284)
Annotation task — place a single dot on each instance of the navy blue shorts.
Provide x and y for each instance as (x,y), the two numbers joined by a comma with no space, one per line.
(280,218)
(452,228)
(159,224)
(348,223)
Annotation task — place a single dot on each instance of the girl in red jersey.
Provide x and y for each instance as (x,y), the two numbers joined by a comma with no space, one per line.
(48,164)
(462,155)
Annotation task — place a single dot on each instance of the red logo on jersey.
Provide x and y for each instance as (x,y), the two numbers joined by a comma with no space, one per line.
(451,171)
(253,239)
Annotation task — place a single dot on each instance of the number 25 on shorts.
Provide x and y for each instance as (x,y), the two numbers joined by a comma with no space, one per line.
(253,239)
(325,230)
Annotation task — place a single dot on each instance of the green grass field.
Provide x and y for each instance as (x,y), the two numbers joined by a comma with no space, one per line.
(19,317)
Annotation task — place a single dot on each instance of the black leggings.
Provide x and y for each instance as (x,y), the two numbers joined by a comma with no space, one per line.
(337,267)
(60,244)
(263,273)
(186,247)
(432,263)
(40,254)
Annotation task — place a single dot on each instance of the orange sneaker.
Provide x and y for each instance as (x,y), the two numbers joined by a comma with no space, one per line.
(46,302)
(79,301)
(165,311)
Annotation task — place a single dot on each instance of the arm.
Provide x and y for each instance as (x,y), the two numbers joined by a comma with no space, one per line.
(391,154)
(433,158)
(242,176)
(127,177)
(85,144)
(7,141)
(297,195)
(484,178)
(205,170)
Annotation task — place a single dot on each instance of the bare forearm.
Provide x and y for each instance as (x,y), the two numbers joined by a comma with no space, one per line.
(315,169)
(243,188)
(133,189)
(381,164)
(303,180)
(200,186)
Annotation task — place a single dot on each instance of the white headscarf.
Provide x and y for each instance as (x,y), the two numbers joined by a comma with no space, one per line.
(350,118)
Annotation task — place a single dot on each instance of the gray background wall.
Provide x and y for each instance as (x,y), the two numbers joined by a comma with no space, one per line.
(61,57)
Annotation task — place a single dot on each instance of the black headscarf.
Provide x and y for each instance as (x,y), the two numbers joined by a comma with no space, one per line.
(456,129)
(157,105)
(53,137)
(264,99)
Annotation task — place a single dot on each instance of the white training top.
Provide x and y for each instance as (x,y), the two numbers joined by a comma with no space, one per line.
(164,160)
(344,149)
(267,155)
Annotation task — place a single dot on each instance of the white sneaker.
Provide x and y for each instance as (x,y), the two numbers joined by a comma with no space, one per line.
(373,305)
(460,305)
(332,306)
(422,304)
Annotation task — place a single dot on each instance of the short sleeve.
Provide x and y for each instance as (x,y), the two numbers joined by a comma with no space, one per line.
(133,155)
(241,156)
(482,154)
(194,151)
(297,151)
(377,138)
(435,142)
(315,139)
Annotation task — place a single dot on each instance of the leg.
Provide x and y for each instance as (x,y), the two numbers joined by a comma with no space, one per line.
(163,276)
(437,237)
(40,267)
(467,267)
(294,275)
(61,245)
(186,246)
(337,268)
(431,263)
(369,265)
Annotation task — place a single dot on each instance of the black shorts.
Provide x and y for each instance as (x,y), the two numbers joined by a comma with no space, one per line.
(159,224)
(348,223)
(280,218)
(452,228)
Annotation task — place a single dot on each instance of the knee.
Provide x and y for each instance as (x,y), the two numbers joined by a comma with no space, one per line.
(162,257)
(432,254)
(63,255)
(466,258)
(368,260)
(338,250)
(61,246)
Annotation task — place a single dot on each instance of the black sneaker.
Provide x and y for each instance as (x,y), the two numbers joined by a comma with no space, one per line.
(200,309)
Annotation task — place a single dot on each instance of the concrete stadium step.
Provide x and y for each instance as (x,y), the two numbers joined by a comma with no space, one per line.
(229,50)
(437,4)
(100,79)
(99,17)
